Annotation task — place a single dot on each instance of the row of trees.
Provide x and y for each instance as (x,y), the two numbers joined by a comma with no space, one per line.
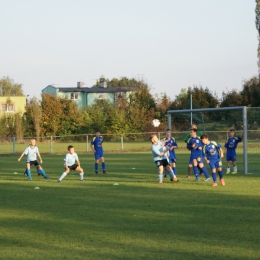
(52,116)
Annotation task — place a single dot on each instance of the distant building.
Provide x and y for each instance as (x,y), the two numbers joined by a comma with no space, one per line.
(12,104)
(85,96)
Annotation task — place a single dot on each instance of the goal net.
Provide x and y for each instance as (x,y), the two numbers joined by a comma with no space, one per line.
(217,122)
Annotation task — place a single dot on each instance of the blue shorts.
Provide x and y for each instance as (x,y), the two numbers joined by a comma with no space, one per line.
(98,155)
(172,160)
(215,165)
(199,160)
(231,155)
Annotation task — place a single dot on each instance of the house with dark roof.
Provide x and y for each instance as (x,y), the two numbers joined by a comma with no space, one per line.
(85,96)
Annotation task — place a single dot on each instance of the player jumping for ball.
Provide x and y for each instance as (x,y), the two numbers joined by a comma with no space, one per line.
(160,159)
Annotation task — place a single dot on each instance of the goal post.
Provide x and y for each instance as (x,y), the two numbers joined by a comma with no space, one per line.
(202,110)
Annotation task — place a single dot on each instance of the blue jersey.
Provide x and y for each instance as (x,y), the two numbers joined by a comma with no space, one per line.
(232,142)
(211,151)
(97,142)
(196,152)
(170,144)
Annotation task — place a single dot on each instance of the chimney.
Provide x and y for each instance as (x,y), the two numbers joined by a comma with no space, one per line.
(80,84)
(103,83)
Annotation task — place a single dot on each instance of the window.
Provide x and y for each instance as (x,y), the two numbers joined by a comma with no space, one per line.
(121,94)
(101,96)
(7,108)
(74,95)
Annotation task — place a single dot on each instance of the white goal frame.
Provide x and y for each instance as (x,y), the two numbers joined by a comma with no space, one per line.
(244,118)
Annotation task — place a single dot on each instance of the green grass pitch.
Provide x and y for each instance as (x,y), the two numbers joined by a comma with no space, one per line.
(136,219)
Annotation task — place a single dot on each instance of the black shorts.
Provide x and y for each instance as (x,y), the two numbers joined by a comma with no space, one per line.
(163,162)
(35,163)
(73,167)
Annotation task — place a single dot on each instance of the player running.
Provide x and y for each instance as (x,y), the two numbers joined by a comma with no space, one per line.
(212,154)
(32,153)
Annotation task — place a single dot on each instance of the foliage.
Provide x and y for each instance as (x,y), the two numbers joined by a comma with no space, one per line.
(251,92)
(9,88)
(60,116)
(7,128)
(123,82)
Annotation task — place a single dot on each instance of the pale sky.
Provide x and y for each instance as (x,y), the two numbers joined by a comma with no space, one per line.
(171,44)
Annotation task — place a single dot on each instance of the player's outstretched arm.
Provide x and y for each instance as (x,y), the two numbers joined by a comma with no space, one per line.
(39,155)
(19,159)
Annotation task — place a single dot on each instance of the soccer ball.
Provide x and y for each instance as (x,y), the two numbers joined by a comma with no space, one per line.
(156,122)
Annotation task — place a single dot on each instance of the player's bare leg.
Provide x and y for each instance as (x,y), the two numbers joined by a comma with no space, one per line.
(81,173)
(189,170)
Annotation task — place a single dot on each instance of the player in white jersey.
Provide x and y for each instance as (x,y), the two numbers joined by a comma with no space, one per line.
(159,152)
(72,163)
(33,153)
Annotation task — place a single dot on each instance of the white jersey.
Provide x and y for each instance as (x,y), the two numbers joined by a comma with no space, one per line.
(156,150)
(31,153)
(71,158)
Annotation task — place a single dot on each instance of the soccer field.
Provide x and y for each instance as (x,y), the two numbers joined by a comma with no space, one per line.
(136,219)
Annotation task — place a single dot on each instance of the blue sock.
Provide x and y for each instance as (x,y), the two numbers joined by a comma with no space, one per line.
(43,173)
(96,167)
(171,175)
(38,170)
(174,170)
(103,166)
(196,171)
(29,174)
(160,177)
(204,170)
(220,173)
(214,176)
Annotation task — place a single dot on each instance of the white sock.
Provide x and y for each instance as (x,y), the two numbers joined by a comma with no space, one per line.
(235,169)
(228,169)
(81,176)
(62,176)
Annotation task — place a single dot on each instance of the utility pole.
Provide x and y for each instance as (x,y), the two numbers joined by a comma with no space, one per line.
(257,23)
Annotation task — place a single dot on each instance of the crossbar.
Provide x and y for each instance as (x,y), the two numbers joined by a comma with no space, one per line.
(244,117)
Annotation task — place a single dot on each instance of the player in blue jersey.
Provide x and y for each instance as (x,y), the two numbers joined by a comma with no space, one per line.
(195,145)
(32,153)
(171,143)
(212,154)
(158,151)
(186,139)
(230,150)
(72,163)
(96,146)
